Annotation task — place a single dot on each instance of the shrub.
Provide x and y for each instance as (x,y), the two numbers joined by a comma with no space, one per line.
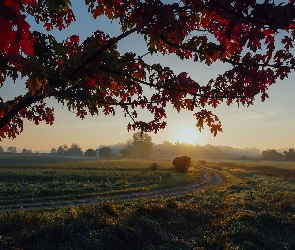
(202,162)
(182,163)
(154,166)
(105,152)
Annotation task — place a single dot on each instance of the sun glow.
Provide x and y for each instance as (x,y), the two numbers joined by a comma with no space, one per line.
(188,135)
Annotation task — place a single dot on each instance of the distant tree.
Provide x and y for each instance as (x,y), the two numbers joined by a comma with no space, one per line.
(27,151)
(90,152)
(62,150)
(65,148)
(11,149)
(182,163)
(105,152)
(142,145)
(167,143)
(125,152)
(289,155)
(1,150)
(74,150)
(271,155)
(139,147)
(53,151)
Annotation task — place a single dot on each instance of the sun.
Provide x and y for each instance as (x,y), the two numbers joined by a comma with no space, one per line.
(188,135)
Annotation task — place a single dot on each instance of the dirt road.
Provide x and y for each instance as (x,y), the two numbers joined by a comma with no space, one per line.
(208,179)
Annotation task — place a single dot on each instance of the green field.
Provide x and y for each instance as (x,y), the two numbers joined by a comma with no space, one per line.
(251,209)
(35,178)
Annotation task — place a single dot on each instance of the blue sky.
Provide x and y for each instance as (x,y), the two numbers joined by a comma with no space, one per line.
(265,125)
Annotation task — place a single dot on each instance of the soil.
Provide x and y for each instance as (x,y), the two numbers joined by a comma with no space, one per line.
(208,179)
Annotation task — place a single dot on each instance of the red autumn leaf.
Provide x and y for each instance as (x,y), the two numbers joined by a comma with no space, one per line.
(92,75)
(92,83)
(213,102)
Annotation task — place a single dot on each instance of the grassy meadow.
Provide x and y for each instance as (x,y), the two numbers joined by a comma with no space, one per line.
(36,178)
(254,208)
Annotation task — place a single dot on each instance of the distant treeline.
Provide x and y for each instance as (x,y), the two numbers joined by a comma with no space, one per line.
(170,150)
(144,148)
(273,155)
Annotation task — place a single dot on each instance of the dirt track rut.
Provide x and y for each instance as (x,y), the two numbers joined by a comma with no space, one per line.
(208,179)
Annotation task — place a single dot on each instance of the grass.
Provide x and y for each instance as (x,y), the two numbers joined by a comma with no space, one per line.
(248,211)
(178,179)
(282,170)
(254,163)
(36,178)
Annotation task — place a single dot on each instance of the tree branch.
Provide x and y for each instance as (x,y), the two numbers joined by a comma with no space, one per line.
(164,87)
(259,64)
(225,59)
(252,20)
(25,102)
(110,43)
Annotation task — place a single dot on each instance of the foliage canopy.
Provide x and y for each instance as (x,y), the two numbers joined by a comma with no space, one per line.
(105,152)
(90,152)
(273,155)
(140,146)
(73,150)
(11,149)
(91,76)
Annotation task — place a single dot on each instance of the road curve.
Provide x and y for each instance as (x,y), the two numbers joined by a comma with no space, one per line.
(208,179)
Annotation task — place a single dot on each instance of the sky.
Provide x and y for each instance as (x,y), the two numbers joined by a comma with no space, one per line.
(266,125)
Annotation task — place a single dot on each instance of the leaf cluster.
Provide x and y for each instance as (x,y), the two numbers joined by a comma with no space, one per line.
(92,76)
